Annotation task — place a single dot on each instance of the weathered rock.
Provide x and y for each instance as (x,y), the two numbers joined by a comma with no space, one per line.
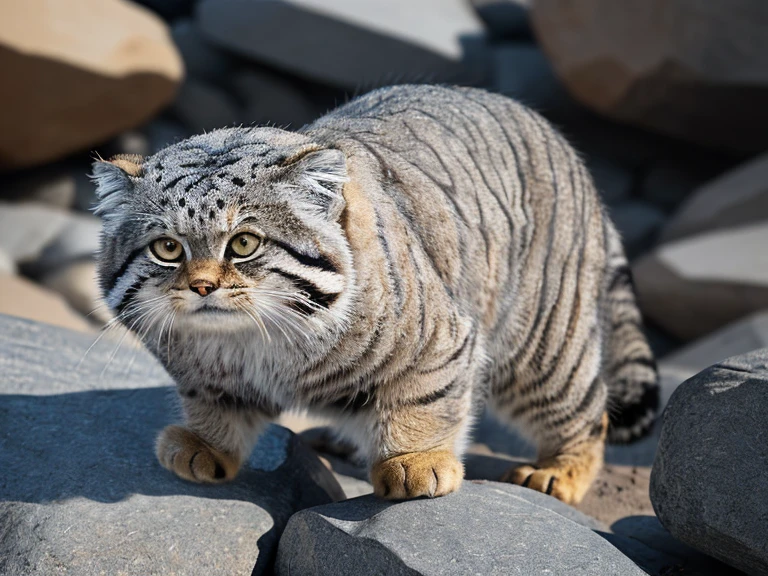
(505,19)
(485,528)
(77,283)
(82,492)
(204,107)
(638,223)
(738,197)
(353,45)
(693,286)
(652,547)
(113,68)
(269,99)
(642,62)
(709,483)
(741,337)
(22,298)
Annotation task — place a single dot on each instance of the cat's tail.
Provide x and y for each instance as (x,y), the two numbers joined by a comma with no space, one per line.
(630,369)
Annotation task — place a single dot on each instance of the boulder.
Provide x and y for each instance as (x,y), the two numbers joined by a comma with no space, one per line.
(709,484)
(350,44)
(741,337)
(505,19)
(696,285)
(485,528)
(109,68)
(81,491)
(693,71)
(738,197)
(22,298)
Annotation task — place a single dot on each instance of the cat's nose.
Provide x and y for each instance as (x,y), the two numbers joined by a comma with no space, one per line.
(202,287)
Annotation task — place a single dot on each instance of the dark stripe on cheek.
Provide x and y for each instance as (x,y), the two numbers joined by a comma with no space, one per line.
(131,293)
(434,396)
(314,262)
(122,270)
(316,295)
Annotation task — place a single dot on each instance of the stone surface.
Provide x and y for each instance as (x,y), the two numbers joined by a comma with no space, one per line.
(351,44)
(638,223)
(741,337)
(505,19)
(696,285)
(738,197)
(485,528)
(708,484)
(81,491)
(685,69)
(110,64)
(22,298)
(202,107)
(77,283)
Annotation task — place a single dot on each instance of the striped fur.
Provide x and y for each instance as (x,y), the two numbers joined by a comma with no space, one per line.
(424,250)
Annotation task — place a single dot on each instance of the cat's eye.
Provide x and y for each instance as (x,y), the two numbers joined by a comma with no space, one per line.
(244,245)
(167,250)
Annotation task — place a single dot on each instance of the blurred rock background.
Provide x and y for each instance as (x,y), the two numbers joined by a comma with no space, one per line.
(665,100)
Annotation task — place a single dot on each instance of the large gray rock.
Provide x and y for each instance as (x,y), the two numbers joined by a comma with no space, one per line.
(352,44)
(709,484)
(485,528)
(736,198)
(81,491)
(685,68)
(695,285)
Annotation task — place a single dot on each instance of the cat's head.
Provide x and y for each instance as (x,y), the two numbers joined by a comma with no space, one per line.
(236,229)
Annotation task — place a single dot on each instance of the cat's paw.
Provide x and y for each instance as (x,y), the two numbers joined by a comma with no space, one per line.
(417,474)
(183,452)
(565,477)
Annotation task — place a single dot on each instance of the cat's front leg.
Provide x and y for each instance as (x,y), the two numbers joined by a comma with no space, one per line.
(219,435)
(421,441)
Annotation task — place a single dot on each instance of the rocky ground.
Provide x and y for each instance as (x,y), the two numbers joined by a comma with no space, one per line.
(665,101)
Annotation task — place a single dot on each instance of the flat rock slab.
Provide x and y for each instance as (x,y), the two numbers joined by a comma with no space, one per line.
(81,491)
(485,528)
(709,484)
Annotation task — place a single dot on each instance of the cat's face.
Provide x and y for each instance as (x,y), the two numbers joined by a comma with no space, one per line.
(232,230)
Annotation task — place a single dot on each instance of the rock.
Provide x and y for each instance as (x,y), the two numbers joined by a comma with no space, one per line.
(647,542)
(505,19)
(632,63)
(81,491)
(269,99)
(694,286)
(353,45)
(463,533)
(22,298)
(638,223)
(708,484)
(202,107)
(736,198)
(113,68)
(741,337)
(53,185)
(77,283)
(202,60)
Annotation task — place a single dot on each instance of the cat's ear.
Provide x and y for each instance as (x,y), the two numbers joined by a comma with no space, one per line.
(321,176)
(114,180)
